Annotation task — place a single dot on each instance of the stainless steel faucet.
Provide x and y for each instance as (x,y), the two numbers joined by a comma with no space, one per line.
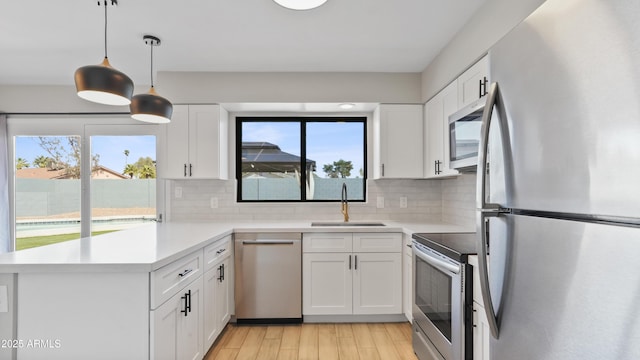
(345,203)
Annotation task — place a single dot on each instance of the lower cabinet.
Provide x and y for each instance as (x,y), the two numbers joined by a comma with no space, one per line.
(345,282)
(190,303)
(481,331)
(216,301)
(177,325)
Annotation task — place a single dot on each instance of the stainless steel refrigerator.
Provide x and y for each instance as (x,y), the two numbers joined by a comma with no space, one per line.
(559,204)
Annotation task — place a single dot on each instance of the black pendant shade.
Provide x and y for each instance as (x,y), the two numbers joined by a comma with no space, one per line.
(103,84)
(151,107)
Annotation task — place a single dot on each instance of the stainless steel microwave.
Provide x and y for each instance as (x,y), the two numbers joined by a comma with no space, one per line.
(464,136)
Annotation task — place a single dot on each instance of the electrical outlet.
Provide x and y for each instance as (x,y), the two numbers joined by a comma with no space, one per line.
(403,202)
(4,299)
(380,203)
(178,192)
(214,202)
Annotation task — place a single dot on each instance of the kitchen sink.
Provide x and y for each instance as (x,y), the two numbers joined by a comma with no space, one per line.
(342,223)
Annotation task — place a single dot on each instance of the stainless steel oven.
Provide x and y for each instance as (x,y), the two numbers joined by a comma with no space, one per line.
(442,295)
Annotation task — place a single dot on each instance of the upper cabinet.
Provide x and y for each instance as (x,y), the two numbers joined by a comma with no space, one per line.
(437,111)
(196,143)
(473,83)
(398,142)
(467,88)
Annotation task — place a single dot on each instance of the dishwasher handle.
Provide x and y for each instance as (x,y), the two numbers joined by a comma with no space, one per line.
(267,242)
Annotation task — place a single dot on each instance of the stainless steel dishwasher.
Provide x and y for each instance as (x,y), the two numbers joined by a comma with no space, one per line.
(268,277)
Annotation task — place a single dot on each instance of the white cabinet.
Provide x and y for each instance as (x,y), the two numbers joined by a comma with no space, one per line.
(398,143)
(377,283)
(196,143)
(216,312)
(481,331)
(467,88)
(176,316)
(473,83)
(342,281)
(177,325)
(327,283)
(437,111)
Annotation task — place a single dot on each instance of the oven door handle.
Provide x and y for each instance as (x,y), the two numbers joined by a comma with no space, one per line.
(438,263)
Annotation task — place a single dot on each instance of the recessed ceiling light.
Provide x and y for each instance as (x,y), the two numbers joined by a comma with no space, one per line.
(347,106)
(300,4)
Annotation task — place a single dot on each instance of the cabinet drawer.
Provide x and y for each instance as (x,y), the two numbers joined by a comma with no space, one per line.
(169,279)
(217,251)
(327,242)
(377,242)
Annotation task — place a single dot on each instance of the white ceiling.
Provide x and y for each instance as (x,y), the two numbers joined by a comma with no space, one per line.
(44,41)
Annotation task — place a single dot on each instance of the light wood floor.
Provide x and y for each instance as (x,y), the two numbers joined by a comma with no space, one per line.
(386,341)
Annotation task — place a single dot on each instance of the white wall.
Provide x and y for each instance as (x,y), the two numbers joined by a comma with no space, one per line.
(49,99)
(492,21)
(199,87)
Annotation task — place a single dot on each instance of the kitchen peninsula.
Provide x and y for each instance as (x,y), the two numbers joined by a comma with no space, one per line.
(100,297)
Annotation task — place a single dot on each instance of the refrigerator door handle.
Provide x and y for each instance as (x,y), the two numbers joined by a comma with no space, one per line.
(486,210)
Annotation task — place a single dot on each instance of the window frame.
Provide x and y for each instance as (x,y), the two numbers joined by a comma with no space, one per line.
(84,126)
(302,120)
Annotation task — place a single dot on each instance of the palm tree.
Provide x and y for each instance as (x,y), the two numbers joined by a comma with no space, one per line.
(147,172)
(41,161)
(130,170)
(126,157)
(21,163)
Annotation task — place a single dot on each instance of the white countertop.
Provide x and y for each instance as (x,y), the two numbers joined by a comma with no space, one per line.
(149,247)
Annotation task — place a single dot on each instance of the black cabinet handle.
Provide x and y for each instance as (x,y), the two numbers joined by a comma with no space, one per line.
(185,273)
(220,251)
(187,303)
(437,166)
(484,85)
(356,263)
(480,89)
(382,170)
(349,262)
(185,170)
(221,273)
(190,170)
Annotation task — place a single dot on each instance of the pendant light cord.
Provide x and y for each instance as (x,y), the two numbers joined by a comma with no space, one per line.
(105,28)
(152,64)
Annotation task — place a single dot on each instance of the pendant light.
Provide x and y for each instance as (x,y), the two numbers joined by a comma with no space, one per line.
(151,107)
(102,83)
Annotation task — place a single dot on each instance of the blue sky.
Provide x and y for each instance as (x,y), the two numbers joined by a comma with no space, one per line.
(326,141)
(110,148)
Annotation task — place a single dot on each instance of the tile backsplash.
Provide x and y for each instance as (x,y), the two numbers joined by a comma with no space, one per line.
(450,201)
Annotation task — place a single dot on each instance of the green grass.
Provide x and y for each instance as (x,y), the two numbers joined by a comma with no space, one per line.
(35,241)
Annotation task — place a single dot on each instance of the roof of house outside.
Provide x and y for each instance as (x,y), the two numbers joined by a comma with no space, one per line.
(267,157)
(99,172)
